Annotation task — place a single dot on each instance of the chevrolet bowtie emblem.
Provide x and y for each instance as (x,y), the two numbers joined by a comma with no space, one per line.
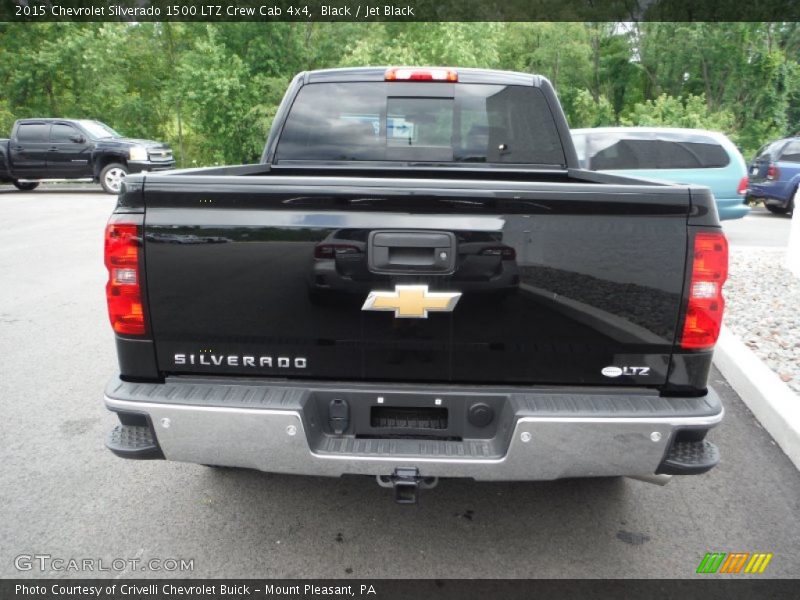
(412,301)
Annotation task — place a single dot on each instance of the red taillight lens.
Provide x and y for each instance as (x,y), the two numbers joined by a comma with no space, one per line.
(123,292)
(773,172)
(414,74)
(706,304)
(742,189)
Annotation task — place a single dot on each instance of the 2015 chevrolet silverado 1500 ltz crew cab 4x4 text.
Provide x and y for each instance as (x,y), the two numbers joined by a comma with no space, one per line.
(48,149)
(417,282)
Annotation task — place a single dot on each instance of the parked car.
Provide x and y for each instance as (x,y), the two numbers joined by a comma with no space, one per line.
(46,149)
(775,175)
(690,156)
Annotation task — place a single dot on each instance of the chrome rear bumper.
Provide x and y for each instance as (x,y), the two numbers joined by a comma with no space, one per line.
(540,434)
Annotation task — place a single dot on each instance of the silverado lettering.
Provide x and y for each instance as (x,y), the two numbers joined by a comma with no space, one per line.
(427,265)
(233,360)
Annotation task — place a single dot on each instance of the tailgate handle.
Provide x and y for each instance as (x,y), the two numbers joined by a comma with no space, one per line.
(412,252)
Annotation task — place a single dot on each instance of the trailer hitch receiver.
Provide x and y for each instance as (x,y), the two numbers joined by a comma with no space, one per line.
(406,482)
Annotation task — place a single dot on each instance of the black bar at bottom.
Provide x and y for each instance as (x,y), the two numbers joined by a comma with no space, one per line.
(707,587)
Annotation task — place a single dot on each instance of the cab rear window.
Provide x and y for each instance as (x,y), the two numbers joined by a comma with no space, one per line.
(472,123)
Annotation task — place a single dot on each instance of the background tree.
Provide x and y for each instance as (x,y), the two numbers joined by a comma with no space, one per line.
(212,89)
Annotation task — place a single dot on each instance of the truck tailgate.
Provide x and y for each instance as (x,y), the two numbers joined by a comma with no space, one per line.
(476,281)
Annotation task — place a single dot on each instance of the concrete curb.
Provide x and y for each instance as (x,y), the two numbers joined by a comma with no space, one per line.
(772,402)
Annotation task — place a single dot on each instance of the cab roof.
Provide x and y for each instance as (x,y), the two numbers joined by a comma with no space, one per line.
(465,75)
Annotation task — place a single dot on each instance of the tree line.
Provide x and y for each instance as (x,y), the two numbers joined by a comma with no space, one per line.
(212,89)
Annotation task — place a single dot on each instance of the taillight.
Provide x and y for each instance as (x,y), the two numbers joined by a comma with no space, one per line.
(706,304)
(773,172)
(505,252)
(334,250)
(415,74)
(123,290)
(742,189)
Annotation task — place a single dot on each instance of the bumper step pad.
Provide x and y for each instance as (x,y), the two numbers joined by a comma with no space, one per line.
(690,458)
(133,441)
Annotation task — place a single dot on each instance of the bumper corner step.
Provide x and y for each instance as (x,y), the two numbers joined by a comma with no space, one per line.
(689,458)
(133,441)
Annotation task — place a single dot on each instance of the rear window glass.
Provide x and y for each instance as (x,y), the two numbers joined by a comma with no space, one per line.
(387,122)
(792,152)
(609,151)
(768,151)
(33,132)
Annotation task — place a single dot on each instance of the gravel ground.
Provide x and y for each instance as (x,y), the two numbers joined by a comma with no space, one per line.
(763,309)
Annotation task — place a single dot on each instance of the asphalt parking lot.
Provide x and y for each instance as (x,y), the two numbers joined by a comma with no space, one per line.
(62,494)
(759,228)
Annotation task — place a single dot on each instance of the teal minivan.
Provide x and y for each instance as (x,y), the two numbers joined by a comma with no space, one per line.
(692,156)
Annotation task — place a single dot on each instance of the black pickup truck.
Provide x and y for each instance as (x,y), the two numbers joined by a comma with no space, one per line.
(418,282)
(48,149)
